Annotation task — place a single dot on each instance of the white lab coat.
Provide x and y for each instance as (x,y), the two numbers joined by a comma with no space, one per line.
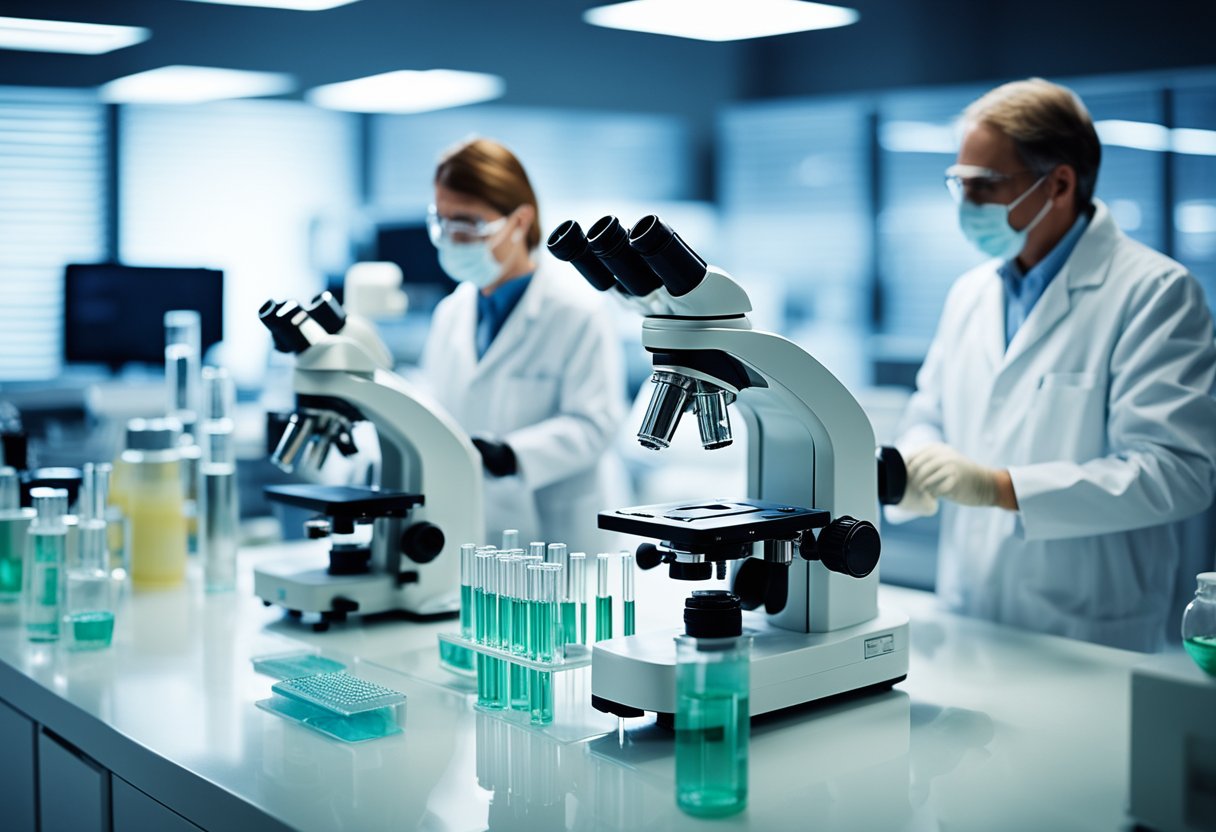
(1101,409)
(551,385)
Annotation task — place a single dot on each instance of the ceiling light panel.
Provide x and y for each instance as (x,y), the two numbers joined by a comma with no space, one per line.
(409,91)
(720,20)
(29,35)
(294,5)
(194,85)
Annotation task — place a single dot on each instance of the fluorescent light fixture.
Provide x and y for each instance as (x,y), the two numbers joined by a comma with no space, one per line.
(31,35)
(1194,141)
(296,5)
(408,91)
(720,20)
(1138,135)
(193,85)
(918,137)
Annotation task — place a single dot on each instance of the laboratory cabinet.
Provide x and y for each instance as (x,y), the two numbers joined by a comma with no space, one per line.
(73,790)
(18,753)
(134,811)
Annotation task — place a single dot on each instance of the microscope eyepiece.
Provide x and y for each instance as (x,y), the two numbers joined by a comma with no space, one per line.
(569,243)
(679,267)
(325,310)
(280,317)
(610,243)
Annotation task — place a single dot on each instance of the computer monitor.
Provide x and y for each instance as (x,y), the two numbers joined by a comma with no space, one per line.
(114,314)
(409,246)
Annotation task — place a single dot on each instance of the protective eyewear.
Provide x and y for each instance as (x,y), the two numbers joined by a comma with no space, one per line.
(460,230)
(980,182)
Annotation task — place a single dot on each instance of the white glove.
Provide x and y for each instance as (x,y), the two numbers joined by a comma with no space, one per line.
(940,471)
(917,503)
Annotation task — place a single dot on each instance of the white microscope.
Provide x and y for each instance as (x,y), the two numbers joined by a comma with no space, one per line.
(810,444)
(429,497)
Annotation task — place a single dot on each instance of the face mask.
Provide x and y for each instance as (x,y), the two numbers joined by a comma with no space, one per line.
(987,226)
(469,262)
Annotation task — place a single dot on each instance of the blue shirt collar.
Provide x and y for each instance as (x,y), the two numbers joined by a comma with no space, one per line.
(1022,291)
(494,308)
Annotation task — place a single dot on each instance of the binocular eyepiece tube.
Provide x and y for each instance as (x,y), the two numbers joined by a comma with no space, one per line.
(640,260)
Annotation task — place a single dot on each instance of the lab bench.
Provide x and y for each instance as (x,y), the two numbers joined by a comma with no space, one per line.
(993,729)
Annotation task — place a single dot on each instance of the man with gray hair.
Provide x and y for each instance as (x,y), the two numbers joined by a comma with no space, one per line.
(1064,411)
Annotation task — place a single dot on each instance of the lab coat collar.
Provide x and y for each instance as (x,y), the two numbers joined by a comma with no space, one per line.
(1085,268)
(522,317)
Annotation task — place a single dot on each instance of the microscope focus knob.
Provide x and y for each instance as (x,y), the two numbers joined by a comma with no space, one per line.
(849,546)
(422,542)
(648,556)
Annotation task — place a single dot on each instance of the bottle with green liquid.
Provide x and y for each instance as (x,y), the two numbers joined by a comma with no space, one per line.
(1199,624)
(603,598)
(45,553)
(14,525)
(712,698)
(88,621)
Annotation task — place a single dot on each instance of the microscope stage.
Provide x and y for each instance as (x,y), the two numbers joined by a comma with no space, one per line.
(345,500)
(695,524)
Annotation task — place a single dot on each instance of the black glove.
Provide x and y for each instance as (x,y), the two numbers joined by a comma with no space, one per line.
(497,457)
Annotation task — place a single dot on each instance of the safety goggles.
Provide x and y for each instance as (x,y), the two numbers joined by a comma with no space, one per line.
(982,183)
(460,230)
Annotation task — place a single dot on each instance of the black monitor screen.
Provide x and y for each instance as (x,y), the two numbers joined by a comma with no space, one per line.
(410,247)
(114,314)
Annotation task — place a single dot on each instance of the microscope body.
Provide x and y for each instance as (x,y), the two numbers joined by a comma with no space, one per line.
(414,564)
(810,444)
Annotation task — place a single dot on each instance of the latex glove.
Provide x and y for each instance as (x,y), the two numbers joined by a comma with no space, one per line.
(497,457)
(917,502)
(940,471)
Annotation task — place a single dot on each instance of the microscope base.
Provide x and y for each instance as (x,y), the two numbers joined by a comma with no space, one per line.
(303,585)
(638,673)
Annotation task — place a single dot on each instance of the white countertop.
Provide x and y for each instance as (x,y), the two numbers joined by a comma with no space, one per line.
(994,729)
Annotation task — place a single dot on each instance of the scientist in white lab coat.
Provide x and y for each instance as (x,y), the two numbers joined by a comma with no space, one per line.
(1064,412)
(523,354)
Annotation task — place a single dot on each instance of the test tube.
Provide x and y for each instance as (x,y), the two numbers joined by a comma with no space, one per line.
(510,539)
(494,667)
(603,598)
(559,554)
(627,579)
(578,591)
(468,554)
(537,547)
(542,592)
(14,525)
(218,507)
(182,348)
(45,551)
(506,612)
(518,697)
(481,562)
(89,608)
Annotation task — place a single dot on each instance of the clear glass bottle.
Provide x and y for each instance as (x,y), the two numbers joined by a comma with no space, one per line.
(218,506)
(45,553)
(183,328)
(14,524)
(151,474)
(88,621)
(1199,624)
(712,700)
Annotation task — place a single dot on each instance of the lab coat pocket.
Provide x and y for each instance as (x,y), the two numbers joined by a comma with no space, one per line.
(529,399)
(1068,419)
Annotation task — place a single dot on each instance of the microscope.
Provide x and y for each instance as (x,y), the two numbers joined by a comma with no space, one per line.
(429,496)
(804,544)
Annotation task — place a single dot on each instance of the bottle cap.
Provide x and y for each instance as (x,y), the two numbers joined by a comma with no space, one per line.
(152,434)
(1206,578)
(50,503)
(713,613)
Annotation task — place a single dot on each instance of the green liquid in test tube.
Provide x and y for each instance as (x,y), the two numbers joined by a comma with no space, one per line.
(506,621)
(450,654)
(481,567)
(46,552)
(603,598)
(542,603)
(560,555)
(518,697)
(495,670)
(627,578)
(578,594)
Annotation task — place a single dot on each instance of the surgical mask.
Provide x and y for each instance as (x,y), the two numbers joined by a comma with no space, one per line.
(987,226)
(469,262)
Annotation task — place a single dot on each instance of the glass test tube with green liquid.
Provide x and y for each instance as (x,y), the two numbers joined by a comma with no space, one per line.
(495,671)
(14,525)
(578,593)
(542,620)
(506,612)
(603,598)
(45,551)
(627,578)
(559,554)
(519,632)
(481,561)
(88,603)
(451,654)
